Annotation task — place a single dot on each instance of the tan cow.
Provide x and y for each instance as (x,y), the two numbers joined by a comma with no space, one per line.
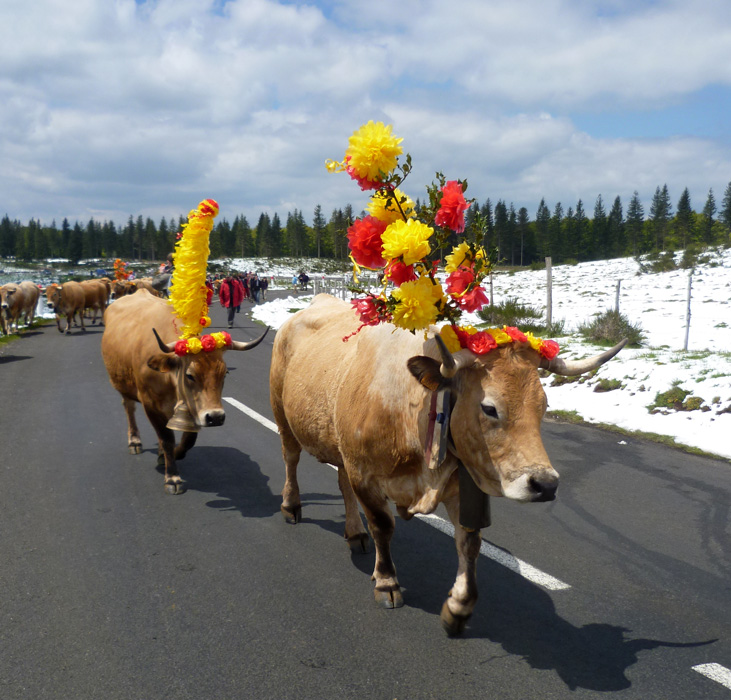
(364,406)
(138,350)
(96,298)
(17,300)
(67,299)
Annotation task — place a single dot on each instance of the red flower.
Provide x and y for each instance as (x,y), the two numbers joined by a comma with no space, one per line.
(363,183)
(549,349)
(481,342)
(462,335)
(399,273)
(364,240)
(452,207)
(181,348)
(474,300)
(459,280)
(227,338)
(366,310)
(517,335)
(208,343)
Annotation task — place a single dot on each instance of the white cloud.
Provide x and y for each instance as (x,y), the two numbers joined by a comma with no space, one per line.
(124,108)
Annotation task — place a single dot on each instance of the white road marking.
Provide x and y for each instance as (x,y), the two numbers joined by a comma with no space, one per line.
(498,555)
(715,672)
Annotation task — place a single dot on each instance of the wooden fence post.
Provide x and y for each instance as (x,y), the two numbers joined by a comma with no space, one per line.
(549,295)
(616,303)
(687,315)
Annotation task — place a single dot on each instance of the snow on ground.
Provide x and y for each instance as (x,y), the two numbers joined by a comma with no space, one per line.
(658,302)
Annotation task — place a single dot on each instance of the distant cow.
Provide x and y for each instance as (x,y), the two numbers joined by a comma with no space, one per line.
(370,407)
(67,300)
(17,300)
(96,298)
(138,345)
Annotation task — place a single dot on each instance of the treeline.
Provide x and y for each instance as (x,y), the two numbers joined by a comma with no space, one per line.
(564,234)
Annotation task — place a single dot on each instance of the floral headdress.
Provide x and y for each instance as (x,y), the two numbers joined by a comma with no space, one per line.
(397,240)
(188,290)
(120,270)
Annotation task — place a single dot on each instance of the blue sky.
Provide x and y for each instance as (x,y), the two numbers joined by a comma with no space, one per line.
(124,107)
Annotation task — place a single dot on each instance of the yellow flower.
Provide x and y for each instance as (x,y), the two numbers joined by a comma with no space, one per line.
(450,339)
(378,203)
(461,255)
(373,150)
(501,337)
(194,345)
(219,338)
(419,303)
(535,343)
(408,238)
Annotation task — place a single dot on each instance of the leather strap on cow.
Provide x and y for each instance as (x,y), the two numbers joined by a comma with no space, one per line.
(437,434)
(474,505)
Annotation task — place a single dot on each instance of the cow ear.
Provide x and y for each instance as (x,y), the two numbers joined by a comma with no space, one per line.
(163,363)
(427,371)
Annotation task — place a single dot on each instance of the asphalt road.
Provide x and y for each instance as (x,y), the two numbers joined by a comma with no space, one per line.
(109,588)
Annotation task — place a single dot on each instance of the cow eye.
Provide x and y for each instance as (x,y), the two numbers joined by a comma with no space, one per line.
(189,376)
(489,410)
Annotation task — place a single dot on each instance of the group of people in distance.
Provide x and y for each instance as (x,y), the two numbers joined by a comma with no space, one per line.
(235,288)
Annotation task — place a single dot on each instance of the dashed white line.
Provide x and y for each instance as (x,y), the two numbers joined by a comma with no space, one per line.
(498,555)
(715,672)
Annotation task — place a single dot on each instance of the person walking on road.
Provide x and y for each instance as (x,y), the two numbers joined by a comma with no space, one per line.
(231,294)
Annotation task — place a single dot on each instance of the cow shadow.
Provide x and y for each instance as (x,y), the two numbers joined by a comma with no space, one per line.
(6,359)
(521,617)
(236,480)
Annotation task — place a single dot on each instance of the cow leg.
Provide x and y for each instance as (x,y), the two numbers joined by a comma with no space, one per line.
(133,432)
(457,609)
(381,524)
(291,449)
(174,485)
(58,323)
(186,443)
(354,532)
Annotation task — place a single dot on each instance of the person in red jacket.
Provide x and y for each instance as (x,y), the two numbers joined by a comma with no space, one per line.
(231,294)
(209,292)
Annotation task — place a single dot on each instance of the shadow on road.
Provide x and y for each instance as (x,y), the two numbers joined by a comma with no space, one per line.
(233,477)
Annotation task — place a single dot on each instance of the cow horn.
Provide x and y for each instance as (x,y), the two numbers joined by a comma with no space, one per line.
(449,366)
(165,347)
(572,368)
(238,345)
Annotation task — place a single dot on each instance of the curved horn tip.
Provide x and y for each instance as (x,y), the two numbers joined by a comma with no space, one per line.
(165,347)
(572,368)
(449,366)
(238,345)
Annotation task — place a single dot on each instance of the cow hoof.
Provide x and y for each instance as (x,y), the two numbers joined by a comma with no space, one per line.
(175,488)
(453,624)
(359,544)
(135,448)
(292,515)
(389,599)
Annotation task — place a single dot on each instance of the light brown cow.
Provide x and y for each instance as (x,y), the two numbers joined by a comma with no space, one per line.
(122,288)
(96,298)
(138,350)
(17,300)
(67,300)
(364,406)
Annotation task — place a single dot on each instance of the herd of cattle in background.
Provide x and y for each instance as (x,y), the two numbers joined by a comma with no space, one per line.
(71,301)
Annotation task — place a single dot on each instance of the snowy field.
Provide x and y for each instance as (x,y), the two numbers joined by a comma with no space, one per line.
(658,302)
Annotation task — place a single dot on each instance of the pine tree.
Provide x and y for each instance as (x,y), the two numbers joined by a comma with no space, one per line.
(523,233)
(597,245)
(615,228)
(263,245)
(684,220)
(635,224)
(489,224)
(581,232)
(74,251)
(556,243)
(543,217)
(660,214)
(501,227)
(707,220)
(319,229)
(725,213)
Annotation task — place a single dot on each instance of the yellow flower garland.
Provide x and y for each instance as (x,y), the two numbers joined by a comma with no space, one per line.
(188,288)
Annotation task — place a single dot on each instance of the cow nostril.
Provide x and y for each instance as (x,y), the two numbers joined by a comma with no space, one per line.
(214,418)
(544,489)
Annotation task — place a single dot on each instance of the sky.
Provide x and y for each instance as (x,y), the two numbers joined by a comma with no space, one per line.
(117,108)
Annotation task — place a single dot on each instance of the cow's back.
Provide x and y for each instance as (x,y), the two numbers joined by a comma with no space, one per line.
(30,295)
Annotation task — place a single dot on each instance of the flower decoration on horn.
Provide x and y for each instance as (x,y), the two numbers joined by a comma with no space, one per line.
(120,270)
(188,291)
(401,241)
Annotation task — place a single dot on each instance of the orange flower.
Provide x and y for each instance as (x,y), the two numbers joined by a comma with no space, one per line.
(364,241)
(452,207)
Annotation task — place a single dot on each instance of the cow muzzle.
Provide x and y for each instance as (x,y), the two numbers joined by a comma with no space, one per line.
(533,486)
(214,417)
(543,487)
